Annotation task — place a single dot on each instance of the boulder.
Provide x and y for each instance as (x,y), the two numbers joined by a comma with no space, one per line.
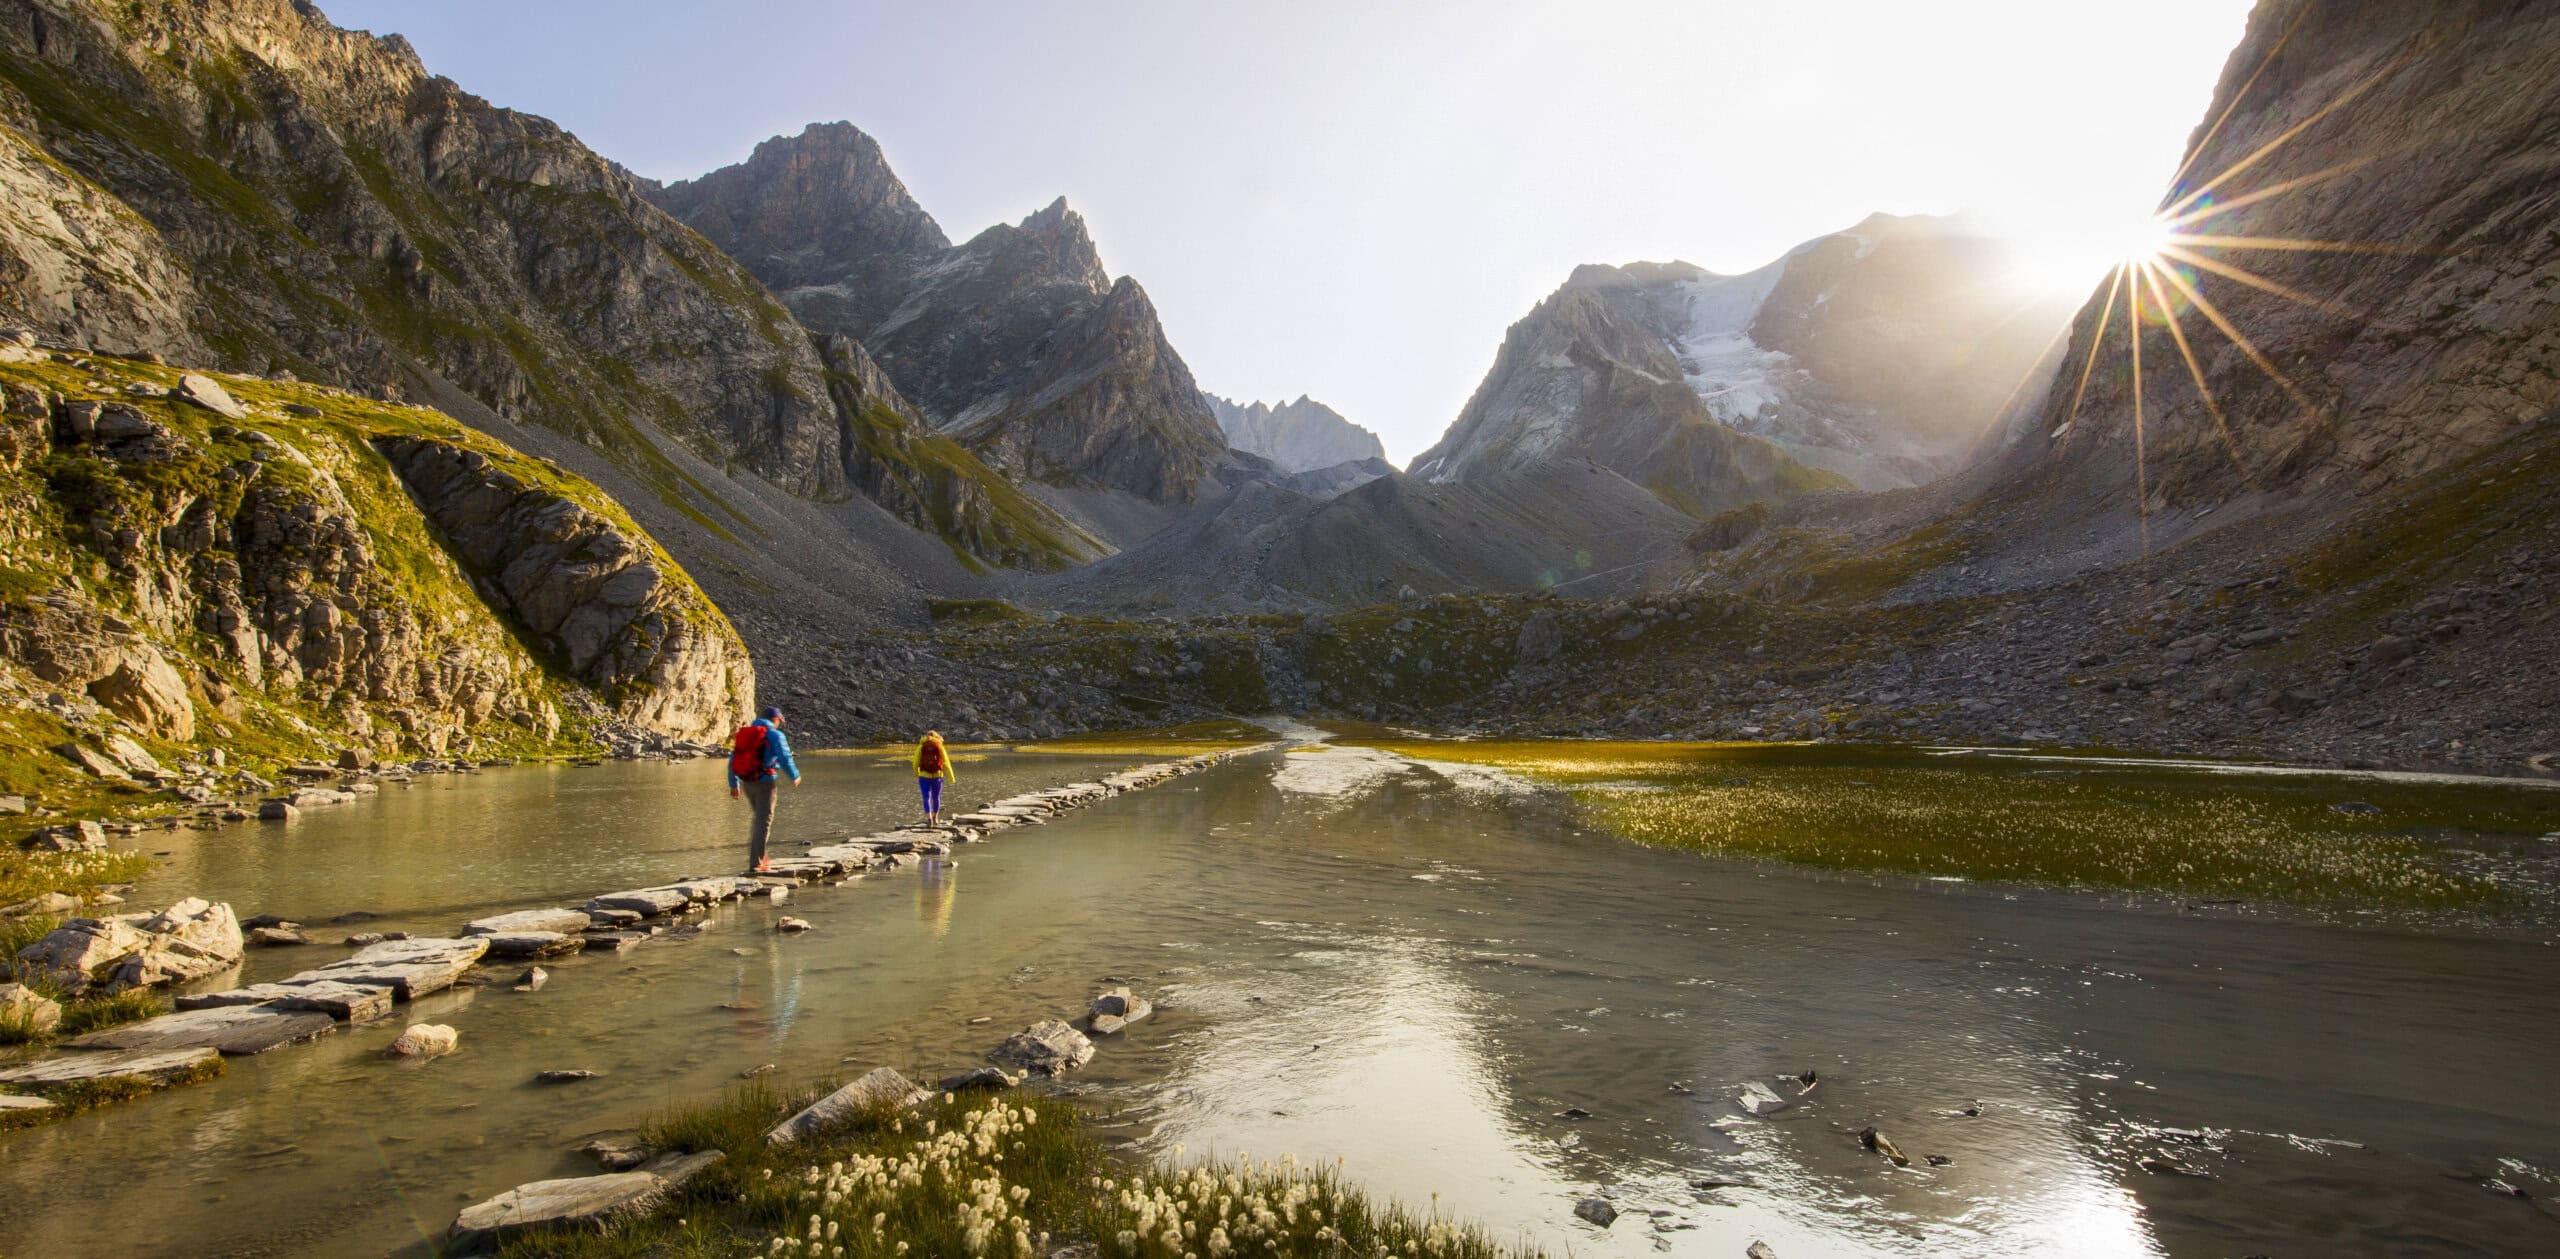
(205,392)
(1116,1009)
(792,925)
(12,805)
(142,688)
(224,1029)
(1050,1047)
(880,1091)
(424,1040)
(52,903)
(189,940)
(534,977)
(553,920)
(277,811)
(277,936)
(1597,1210)
(27,1010)
(82,836)
(355,759)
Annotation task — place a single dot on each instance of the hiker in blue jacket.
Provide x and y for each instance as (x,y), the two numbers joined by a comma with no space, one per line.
(759,759)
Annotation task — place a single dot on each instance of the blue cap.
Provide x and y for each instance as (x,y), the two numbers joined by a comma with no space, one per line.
(772,713)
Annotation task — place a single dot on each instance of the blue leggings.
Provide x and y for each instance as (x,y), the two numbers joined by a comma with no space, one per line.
(932,789)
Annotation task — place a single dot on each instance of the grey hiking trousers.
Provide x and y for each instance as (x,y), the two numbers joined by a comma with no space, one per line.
(760,829)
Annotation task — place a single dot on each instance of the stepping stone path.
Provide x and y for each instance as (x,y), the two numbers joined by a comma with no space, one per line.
(384,971)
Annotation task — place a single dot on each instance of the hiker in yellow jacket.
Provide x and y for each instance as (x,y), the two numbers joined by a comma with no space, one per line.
(933,768)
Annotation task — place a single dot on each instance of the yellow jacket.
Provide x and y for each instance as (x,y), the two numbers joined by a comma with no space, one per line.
(947,774)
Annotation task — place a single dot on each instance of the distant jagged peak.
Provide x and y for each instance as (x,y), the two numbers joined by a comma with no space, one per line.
(1300,436)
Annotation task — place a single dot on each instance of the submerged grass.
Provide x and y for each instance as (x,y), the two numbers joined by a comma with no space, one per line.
(986,1176)
(2158,829)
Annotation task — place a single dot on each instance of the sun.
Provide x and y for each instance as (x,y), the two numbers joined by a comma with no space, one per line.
(2076,258)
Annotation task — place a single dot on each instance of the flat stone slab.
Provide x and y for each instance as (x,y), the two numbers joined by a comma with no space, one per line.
(648,902)
(158,1065)
(251,1029)
(10,1102)
(552,920)
(589,1204)
(351,1003)
(409,968)
(611,941)
(524,944)
(727,887)
(881,1090)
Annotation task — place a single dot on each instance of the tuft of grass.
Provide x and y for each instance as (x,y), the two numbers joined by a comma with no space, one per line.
(2147,828)
(987,1176)
(82,1015)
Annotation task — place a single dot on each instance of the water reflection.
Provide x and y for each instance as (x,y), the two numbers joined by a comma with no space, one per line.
(937,886)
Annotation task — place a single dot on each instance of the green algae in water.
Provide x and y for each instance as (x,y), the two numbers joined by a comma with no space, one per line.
(2153,828)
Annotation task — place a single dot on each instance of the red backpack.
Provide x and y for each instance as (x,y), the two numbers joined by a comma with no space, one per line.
(929,758)
(746,751)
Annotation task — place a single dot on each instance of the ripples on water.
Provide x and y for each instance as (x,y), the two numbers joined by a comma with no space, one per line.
(1416,970)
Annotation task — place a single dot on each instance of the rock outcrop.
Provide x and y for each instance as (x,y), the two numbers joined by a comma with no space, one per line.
(600,600)
(188,940)
(1876,357)
(1301,436)
(274,574)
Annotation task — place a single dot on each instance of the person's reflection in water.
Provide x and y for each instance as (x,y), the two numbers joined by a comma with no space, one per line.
(937,885)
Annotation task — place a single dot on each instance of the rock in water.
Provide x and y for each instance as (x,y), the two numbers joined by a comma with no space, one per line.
(532,979)
(1048,1048)
(1116,1009)
(277,936)
(1597,1210)
(1759,1250)
(424,1040)
(562,1077)
(1882,1144)
(208,393)
(792,924)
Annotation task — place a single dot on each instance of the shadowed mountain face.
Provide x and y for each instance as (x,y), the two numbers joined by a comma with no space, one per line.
(1876,357)
(1301,436)
(2422,148)
(241,184)
(1017,342)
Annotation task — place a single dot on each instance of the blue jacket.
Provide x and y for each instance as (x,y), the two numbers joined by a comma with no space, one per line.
(777,756)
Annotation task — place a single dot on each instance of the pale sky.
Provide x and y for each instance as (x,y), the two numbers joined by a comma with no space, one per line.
(1354,200)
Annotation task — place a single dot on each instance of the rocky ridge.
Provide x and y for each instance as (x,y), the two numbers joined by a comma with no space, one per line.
(1301,436)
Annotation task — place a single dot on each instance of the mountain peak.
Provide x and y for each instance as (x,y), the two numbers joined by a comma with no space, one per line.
(1051,216)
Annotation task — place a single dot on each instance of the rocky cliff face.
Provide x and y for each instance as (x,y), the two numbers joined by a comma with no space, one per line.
(1300,436)
(2428,335)
(244,184)
(593,594)
(1876,357)
(1017,342)
(191,560)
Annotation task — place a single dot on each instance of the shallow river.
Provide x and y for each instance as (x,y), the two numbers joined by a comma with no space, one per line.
(1361,959)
